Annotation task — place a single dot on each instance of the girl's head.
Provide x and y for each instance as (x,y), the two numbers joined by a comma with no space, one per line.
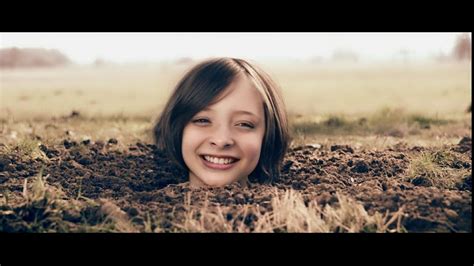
(224,122)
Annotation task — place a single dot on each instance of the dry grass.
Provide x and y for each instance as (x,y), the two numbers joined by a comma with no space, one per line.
(443,169)
(385,121)
(291,214)
(305,129)
(385,127)
(25,148)
(51,132)
(46,208)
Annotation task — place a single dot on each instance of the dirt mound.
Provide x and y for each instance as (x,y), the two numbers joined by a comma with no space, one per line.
(142,190)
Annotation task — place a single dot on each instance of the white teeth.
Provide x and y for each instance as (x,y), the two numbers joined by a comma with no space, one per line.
(219,160)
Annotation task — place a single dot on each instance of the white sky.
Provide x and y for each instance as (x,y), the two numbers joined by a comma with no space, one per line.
(84,48)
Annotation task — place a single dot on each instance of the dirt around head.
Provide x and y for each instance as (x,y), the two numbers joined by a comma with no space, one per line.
(94,184)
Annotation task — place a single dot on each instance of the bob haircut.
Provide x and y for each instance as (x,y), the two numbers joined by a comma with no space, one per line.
(202,86)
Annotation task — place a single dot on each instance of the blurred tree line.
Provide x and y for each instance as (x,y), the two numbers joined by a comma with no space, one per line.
(462,48)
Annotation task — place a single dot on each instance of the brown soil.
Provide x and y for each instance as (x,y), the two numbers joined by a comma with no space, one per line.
(153,193)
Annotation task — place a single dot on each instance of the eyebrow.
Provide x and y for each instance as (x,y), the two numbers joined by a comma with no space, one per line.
(235,112)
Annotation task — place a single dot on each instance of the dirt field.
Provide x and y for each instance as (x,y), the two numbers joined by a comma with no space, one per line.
(93,186)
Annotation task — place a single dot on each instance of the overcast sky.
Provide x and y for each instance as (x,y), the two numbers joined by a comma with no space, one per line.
(84,48)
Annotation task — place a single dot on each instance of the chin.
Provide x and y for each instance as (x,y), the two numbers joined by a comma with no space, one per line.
(216,182)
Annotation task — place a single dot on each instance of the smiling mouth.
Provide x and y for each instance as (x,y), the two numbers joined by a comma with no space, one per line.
(218,163)
(219,160)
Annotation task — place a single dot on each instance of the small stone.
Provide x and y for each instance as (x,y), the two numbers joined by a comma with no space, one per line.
(451,214)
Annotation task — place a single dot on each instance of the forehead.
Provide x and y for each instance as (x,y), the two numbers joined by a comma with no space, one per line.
(240,95)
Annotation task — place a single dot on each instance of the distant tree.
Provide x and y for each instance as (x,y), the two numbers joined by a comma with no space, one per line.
(462,47)
(31,57)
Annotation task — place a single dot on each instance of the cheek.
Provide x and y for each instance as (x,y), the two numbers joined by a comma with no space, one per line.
(252,148)
(191,140)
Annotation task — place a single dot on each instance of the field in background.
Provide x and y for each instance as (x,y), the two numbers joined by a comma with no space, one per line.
(438,89)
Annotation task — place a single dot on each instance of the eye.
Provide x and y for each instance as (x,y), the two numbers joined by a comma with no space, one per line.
(201,121)
(248,125)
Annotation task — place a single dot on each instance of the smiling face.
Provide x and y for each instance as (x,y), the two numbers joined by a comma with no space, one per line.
(222,143)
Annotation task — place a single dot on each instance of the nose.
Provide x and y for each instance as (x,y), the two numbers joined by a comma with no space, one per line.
(222,138)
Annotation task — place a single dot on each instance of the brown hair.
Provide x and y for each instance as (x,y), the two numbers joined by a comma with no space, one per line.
(200,87)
